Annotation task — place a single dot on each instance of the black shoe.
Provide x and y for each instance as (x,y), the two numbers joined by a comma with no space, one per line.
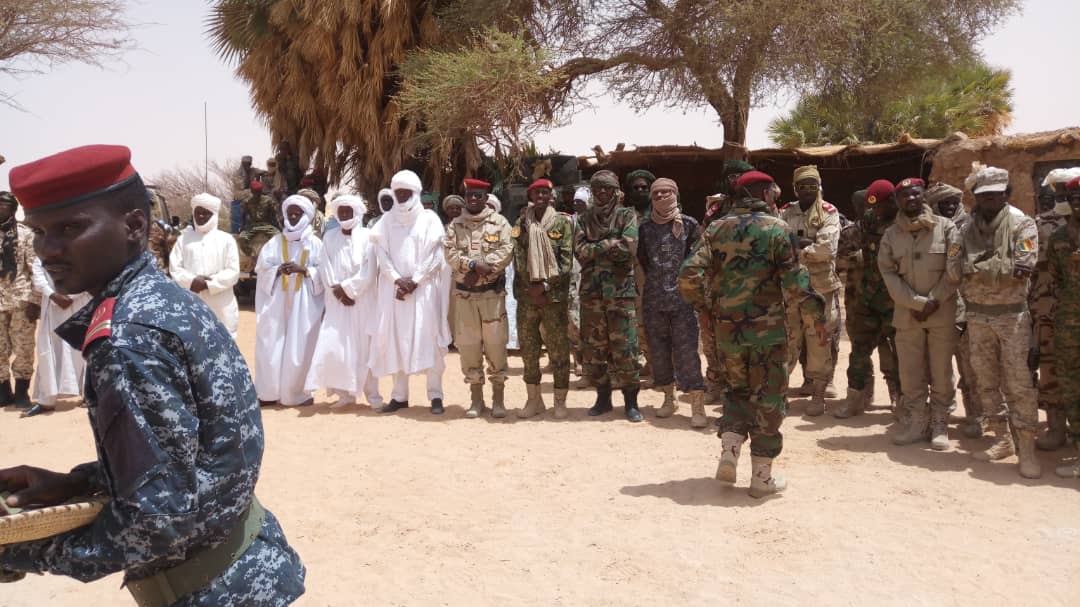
(36,409)
(22,393)
(630,399)
(5,394)
(603,401)
(436,406)
(394,405)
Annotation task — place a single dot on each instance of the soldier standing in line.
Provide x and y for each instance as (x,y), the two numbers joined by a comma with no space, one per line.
(816,225)
(637,186)
(1000,247)
(478,249)
(742,272)
(260,221)
(543,258)
(1063,262)
(18,311)
(582,195)
(913,263)
(605,242)
(664,242)
(870,309)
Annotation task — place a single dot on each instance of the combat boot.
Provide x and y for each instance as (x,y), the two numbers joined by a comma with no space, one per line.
(698,419)
(974,427)
(730,446)
(854,404)
(894,394)
(603,401)
(1069,470)
(1054,438)
(817,400)
(668,408)
(5,393)
(477,407)
(830,390)
(763,483)
(560,411)
(630,404)
(1003,443)
(498,402)
(535,403)
(939,430)
(712,394)
(1029,462)
(21,396)
(918,428)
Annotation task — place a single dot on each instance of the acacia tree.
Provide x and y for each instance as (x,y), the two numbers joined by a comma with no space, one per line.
(36,35)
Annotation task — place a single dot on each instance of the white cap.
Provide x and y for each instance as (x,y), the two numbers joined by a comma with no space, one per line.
(990,179)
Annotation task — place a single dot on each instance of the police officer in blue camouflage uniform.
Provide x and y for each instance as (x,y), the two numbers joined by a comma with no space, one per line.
(171,404)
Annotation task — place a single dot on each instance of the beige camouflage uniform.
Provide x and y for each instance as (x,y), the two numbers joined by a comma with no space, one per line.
(1041,301)
(16,330)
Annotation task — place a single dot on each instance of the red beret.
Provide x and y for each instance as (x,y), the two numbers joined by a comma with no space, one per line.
(72,176)
(476,184)
(256,186)
(541,183)
(878,191)
(751,177)
(1073,184)
(910,182)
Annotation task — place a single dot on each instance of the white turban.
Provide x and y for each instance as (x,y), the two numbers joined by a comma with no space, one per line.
(386,192)
(407,211)
(494,202)
(356,203)
(583,194)
(210,203)
(296,232)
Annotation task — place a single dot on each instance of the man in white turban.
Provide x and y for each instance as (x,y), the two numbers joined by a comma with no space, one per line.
(349,274)
(411,334)
(206,261)
(288,307)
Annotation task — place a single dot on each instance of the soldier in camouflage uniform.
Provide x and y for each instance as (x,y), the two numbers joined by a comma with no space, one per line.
(1041,301)
(605,243)
(1063,265)
(18,311)
(664,241)
(1000,247)
(171,402)
(869,308)
(260,221)
(637,186)
(582,195)
(543,263)
(741,272)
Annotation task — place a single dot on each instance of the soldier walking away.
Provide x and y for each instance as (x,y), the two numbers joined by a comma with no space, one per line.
(1063,263)
(18,311)
(665,240)
(744,272)
(543,266)
(1000,247)
(175,418)
(605,242)
(478,249)
(912,261)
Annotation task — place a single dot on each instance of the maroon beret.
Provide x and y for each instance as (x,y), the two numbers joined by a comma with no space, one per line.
(477,184)
(910,182)
(878,191)
(751,177)
(72,176)
(1073,184)
(541,183)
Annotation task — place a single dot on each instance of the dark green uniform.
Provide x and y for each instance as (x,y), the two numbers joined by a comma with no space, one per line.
(1063,261)
(870,315)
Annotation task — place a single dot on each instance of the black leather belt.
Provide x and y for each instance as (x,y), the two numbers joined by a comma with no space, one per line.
(498,285)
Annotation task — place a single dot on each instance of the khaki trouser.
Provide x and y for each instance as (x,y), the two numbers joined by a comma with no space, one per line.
(480,329)
(16,338)
(926,370)
(820,360)
(999,358)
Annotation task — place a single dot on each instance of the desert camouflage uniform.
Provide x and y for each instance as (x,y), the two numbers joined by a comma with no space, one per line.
(999,327)
(1041,301)
(16,295)
(869,311)
(260,223)
(608,322)
(553,317)
(1063,265)
(743,271)
(672,327)
(973,411)
(179,440)
(480,327)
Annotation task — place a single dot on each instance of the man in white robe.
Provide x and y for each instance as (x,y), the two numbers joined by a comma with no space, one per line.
(411,334)
(288,307)
(205,260)
(349,273)
(59,366)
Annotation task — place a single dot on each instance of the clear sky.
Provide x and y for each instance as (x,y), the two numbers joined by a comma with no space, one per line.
(153,100)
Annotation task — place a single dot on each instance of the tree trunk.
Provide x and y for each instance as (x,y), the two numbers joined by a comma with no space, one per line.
(734,125)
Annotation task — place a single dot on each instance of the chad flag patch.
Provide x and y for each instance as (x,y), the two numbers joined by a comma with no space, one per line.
(954,250)
(1026,245)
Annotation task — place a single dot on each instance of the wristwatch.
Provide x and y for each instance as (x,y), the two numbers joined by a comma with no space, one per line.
(472,264)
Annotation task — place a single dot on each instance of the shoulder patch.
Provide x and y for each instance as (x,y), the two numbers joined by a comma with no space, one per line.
(785,207)
(100,322)
(954,250)
(516,231)
(828,207)
(1026,245)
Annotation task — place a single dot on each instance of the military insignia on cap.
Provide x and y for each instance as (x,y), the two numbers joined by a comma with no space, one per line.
(100,322)
(1025,246)
(871,200)
(954,250)
(905,183)
(515,232)
(554,234)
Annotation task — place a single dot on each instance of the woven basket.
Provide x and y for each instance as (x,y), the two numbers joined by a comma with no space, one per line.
(41,523)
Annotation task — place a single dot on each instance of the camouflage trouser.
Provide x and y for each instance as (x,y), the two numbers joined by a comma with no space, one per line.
(1049,389)
(673,342)
(1067,346)
(820,360)
(714,365)
(869,329)
(251,241)
(999,353)
(480,330)
(972,409)
(643,339)
(756,405)
(926,369)
(16,338)
(610,341)
(574,313)
(552,318)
